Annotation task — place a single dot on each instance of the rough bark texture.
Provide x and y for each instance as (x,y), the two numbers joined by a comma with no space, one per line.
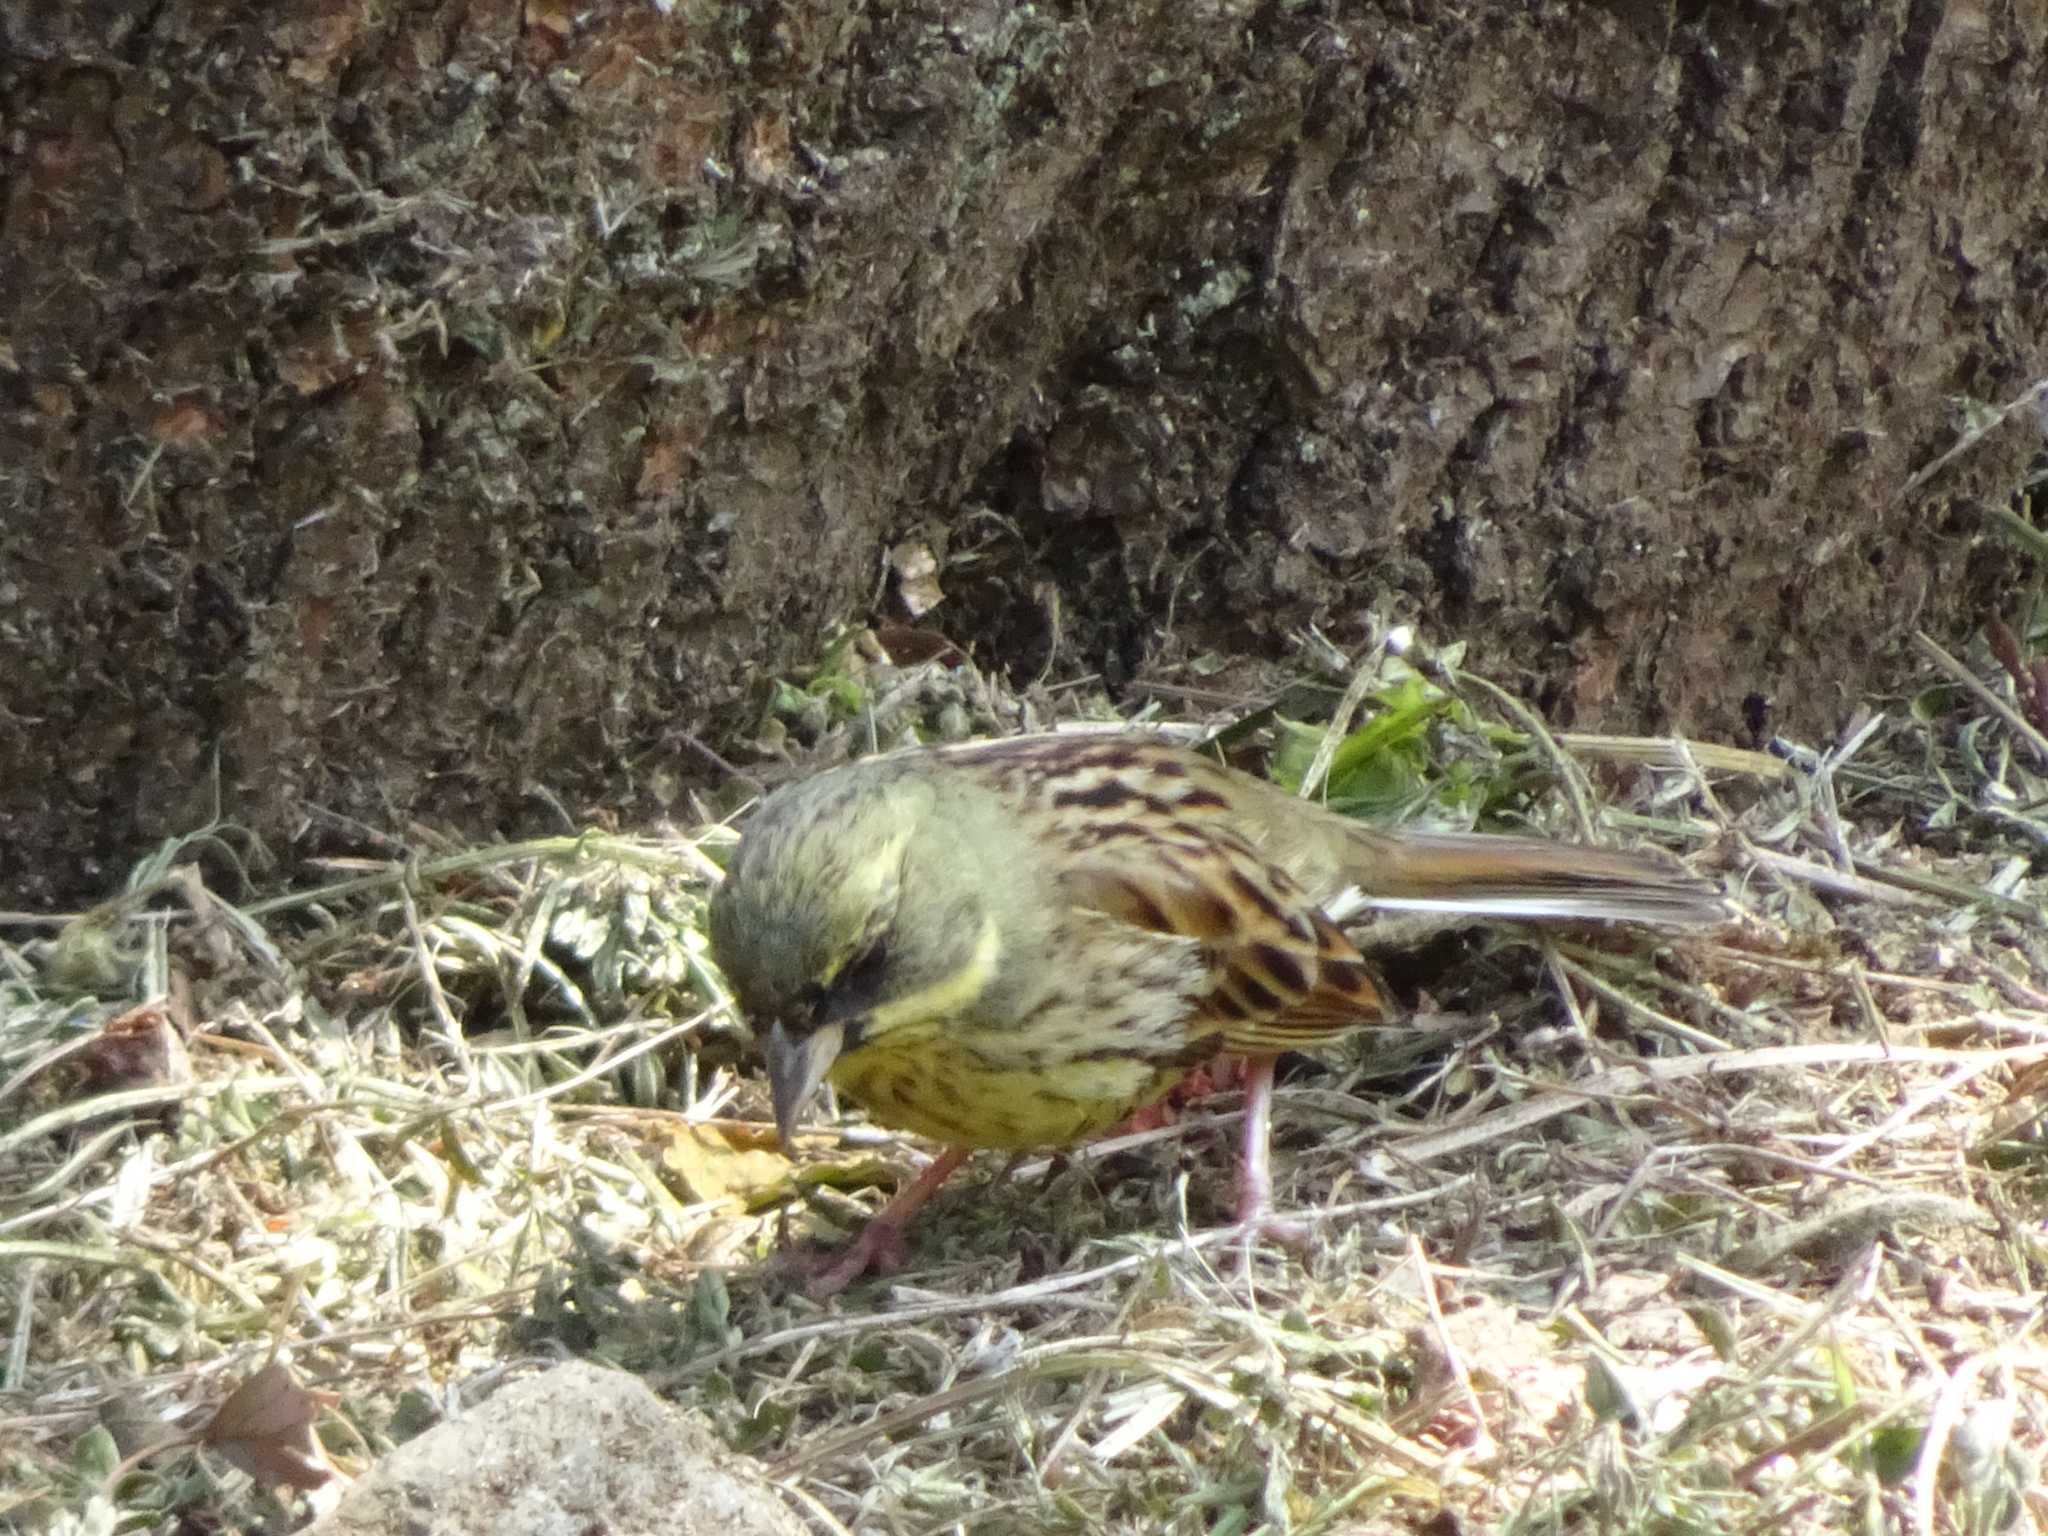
(423,402)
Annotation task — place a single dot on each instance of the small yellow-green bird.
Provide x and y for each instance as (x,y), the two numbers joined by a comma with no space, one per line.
(1019,943)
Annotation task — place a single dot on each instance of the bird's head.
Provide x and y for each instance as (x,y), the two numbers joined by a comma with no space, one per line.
(850,909)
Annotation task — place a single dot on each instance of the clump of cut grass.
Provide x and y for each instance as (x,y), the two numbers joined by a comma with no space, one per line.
(1634,1232)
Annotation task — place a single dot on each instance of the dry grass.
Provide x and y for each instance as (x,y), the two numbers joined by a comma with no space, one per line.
(1632,1233)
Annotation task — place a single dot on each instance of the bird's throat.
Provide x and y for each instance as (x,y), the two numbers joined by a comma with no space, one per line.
(947,997)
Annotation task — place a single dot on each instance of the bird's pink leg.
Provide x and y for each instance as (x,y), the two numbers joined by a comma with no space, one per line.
(879,1248)
(1255,1190)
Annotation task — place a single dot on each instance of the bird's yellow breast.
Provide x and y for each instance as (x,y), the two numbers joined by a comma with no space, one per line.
(939,1087)
(1042,1053)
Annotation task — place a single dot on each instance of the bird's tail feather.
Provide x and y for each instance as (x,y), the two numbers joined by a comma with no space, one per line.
(1522,877)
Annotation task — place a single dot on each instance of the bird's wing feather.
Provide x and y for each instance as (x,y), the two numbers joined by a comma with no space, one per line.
(1153,845)
(1280,975)
(1404,869)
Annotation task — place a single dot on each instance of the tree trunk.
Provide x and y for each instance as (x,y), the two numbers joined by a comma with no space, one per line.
(418,403)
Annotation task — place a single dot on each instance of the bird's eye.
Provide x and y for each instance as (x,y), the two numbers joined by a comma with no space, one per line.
(855,989)
(864,973)
(810,1003)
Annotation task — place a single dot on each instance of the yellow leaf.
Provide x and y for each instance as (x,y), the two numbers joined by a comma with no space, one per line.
(710,1168)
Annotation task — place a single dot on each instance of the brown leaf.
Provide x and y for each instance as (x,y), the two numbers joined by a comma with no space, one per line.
(266,1429)
(185,424)
(764,152)
(909,647)
(664,467)
(2005,646)
(137,1049)
(326,355)
(917,577)
(551,17)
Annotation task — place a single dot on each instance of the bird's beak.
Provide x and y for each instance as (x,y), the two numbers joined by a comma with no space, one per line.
(796,1065)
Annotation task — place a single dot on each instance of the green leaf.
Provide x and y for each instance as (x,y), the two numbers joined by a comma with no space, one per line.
(94,1455)
(1894,1450)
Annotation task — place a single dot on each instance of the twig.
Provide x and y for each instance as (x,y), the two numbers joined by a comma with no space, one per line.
(1513,1119)
(1570,776)
(1484,1447)
(1970,682)
(1363,676)
(1838,882)
(1676,752)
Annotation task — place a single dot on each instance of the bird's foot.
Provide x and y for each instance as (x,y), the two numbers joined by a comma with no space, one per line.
(1250,1234)
(1269,1226)
(879,1248)
(877,1251)
(1258,1222)
(1256,1219)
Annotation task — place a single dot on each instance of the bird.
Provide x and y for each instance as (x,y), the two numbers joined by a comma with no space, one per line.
(1020,943)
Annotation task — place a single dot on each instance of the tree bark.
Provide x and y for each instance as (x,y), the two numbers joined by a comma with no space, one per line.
(415,404)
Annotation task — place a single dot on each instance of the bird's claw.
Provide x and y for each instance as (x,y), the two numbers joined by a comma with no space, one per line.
(878,1250)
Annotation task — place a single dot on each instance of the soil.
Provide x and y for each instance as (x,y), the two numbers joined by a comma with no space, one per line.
(455,410)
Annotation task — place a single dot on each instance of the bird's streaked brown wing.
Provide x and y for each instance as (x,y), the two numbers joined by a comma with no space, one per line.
(1281,976)
(1145,836)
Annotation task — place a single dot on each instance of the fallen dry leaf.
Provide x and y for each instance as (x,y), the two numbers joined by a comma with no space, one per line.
(266,1429)
(917,578)
(711,1168)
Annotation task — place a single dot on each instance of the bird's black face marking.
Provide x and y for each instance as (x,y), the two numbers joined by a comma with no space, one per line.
(847,999)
